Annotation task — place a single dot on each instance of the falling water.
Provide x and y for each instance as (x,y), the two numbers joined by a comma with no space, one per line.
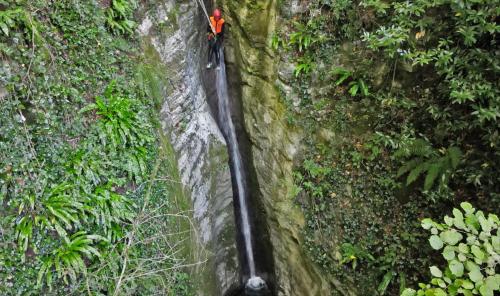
(228,126)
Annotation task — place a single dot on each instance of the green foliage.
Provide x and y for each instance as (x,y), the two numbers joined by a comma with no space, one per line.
(72,182)
(304,66)
(305,36)
(110,210)
(426,160)
(56,211)
(455,43)
(11,19)
(68,258)
(276,42)
(119,122)
(354,85)
(352,254)
(119,14)
(470,244)
(421,132)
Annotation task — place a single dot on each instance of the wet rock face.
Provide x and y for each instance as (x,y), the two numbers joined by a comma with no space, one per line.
(253,76)
(201,150)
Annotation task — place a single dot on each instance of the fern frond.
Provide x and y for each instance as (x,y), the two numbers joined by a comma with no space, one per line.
(421,147)
(408,166)
(416,172)
(432,174)
(454,155)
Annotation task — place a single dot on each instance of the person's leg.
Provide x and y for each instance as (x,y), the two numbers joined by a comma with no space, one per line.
(217,53)
(211,53)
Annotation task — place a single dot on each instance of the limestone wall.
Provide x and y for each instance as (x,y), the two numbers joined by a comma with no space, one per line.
(201,149)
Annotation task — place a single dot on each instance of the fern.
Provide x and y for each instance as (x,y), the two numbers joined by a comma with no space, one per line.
(110,211)
(416,147)
(304,66)
(355,86)
(454,156)
(432,174)
(11,18)
(86,168)
(118,120)
(406,167)
(342,75)
(303,37)
(67,260)
(24,233)
(118,16)
(56,210)
(429,162)
(416,172)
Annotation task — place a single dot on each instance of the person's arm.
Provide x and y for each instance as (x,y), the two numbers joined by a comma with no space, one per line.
(210,33)
(221,34)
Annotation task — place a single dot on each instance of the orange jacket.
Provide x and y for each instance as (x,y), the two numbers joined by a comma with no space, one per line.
(218,25)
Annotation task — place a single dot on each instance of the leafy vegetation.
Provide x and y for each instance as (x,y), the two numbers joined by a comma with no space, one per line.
(471,245)
(82,163)
(397,102)
(119,14)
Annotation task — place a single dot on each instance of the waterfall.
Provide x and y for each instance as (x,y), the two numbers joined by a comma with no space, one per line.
(228,128)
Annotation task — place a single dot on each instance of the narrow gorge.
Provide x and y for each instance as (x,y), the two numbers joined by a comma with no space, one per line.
(260,172)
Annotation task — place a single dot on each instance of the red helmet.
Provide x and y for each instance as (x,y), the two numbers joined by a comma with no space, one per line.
(217,14)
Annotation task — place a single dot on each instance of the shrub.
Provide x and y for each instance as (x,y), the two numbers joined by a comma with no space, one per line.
(470,244)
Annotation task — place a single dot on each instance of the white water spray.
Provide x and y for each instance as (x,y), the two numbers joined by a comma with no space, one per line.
(228,126)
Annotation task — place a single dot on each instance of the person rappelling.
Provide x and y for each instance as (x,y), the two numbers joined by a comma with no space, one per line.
(215,34)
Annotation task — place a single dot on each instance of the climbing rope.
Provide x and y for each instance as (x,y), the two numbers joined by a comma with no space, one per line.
(200,2)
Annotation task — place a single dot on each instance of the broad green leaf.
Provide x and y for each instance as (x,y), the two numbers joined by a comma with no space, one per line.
(493,219)
(458,221)
(471,265)
(4,28)
(472,222)
(382,287)
(436,242)
(449,253)
(461,257)
(457,268)
(448,220)
(466,284)
(485,224)
(451,237)
(475,275)
(477,252)
(409,292)
(485,291)
(463,248)
(427,223)
(467,207)
(493,282)
(495,242)
(436,272)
